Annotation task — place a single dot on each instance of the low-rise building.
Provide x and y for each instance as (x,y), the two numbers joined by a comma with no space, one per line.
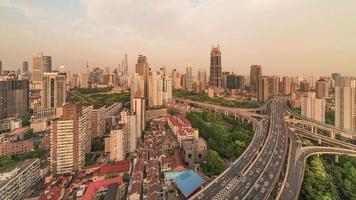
(39,125)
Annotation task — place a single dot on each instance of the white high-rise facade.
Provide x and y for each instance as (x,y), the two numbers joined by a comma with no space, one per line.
(312,107)
(189,78)
(155,89)
(138,108)
(345,103)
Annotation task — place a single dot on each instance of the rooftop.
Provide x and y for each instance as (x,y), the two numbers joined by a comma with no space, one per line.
(188,182)
(117,167)
(95,186)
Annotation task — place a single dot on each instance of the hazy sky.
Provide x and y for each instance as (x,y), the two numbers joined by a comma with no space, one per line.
(295,37)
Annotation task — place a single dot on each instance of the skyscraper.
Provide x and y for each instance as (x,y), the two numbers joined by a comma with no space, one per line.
(0,67)
(262,89)
(126,66)
(312,107)
(202,78)
(345,103)
(137,87)
(286,85)
(255,73)
(322,88)
(70,139)
(155,89)
(189,78)
(215,67)
(273,85)
(14,98)
(25,67)
(176,80)
(304,86)
(142,66)
(53,93)
(41,64)
(235,82)
(138,108)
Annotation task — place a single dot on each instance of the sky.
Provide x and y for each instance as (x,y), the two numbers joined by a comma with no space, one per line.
(286,37)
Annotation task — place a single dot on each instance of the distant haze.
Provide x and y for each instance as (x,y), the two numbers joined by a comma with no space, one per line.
(293,37)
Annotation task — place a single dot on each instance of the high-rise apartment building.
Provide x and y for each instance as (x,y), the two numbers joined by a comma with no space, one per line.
(70,138)
(215,67)
(286,85)
(155,89)
(14,97)
(98,122)
(255,73)
(273,85)
(167,89)
(188,78)
(118,143)
(304,86)
(312,107)
(53,93)
(137,86)
(202,78)
(262,89)
(176,79)
(224,76)
(322,88)
(138,108)
(25,68)
(345,103)
(41,64)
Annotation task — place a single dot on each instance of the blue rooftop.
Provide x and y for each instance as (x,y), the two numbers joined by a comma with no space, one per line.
(172,175)
(188,182)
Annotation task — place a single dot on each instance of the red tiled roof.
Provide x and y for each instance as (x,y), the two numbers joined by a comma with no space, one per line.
(93,187)
(53,194)
(118,167)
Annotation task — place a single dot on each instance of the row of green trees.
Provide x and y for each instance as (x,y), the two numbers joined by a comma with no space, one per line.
(216,101)
(325,179)
(225,137)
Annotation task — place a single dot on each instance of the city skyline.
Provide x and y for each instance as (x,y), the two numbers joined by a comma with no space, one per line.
(310,38)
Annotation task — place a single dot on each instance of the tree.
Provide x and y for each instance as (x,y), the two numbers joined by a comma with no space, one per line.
(126,177)
(212,163)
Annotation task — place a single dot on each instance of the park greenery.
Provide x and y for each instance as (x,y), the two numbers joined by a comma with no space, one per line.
(216,101)
(97,144)
(326,179)
(330,117)
(224,135)
(98,97)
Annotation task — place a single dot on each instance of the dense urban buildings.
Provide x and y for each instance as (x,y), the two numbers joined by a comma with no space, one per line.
(188,78)
(202,78)
(322,88)
(262,89)
(215,67)
(53,93)
(41,64)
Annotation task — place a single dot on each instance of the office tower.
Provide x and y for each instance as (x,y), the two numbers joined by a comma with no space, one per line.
(312,107)
(70,139)
(137,87)
(262,89)
(53,93)
(182,81)
(155,89)
(188,78)
(138,108)
(335,76)
(286,85)
(215,67)
(142,66)
(273,85)
(234,81)
(345,103)
(41,64)
(176,80)
(224,79)
(0,67)
(25,67)
(304,86)
(98,122)
(255,73)
(322,88)
(14,98)
(202,78)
